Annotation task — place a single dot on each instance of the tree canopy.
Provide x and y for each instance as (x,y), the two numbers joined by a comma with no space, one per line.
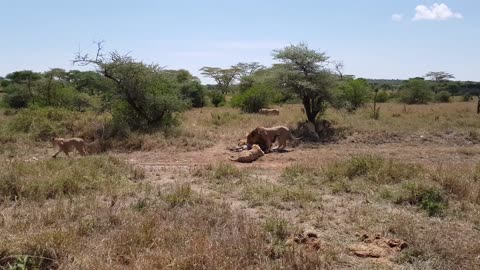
(304,71)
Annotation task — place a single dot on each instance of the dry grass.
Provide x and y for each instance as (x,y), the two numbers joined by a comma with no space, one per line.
(91,233)
(99,212)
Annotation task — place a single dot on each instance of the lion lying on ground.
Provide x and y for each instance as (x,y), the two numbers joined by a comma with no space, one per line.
(265,137)
(68,145)
(269,111)
(250,155)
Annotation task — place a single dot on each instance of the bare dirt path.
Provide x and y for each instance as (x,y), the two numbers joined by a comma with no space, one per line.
(422,153)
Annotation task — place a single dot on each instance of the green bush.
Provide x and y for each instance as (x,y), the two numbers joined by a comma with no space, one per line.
(42,123)
(195,94)
(443,96)
(416,91)
(16,97)
(355,93)
(217,98)
(81,101)
(427,197)
(253,99)
(382,97)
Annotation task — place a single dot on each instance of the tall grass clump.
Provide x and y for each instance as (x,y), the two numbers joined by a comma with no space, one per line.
(53,178)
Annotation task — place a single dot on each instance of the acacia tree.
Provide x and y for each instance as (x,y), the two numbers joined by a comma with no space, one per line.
(248,69)
(439,77)
(304,72)
(27,78)
(146,96)
(223,77)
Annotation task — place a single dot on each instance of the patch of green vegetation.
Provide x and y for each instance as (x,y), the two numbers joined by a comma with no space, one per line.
(301,174)
(180,195)
(272,194)
(372,168)
(224,171)
(427,197)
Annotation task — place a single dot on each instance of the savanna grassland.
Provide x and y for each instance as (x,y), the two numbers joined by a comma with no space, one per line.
(400,192)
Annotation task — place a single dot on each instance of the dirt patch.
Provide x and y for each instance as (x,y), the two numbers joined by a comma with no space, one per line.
(308,240)
(377,247)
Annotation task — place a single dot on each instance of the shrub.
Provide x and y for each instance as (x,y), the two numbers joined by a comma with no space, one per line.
(191,88)
(195,94)
(42,123)
(355,93)
(443,96)
(416,91)
(427,197)
(16,97)
(382,97)
(81,101)
(217,98)
(467,97)
(253,99)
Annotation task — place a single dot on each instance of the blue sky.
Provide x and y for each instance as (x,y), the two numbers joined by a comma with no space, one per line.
(375,38)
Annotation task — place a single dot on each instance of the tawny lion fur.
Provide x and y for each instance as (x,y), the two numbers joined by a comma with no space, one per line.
(68,145)
(269,111)
(265,137)
(249,155)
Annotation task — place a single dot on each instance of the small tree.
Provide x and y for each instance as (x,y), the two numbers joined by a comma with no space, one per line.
(223,77)
(440,78)
(53,80)
(304,73)
(27,78)
(416,91)
(145,94)
(356,93)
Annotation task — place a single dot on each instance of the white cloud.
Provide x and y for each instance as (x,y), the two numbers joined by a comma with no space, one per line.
(437,12)
(397,17)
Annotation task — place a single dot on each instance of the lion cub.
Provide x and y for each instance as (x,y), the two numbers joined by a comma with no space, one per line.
(68,145)
(250,155)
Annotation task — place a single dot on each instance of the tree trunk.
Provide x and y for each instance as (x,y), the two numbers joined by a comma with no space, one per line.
(311,113)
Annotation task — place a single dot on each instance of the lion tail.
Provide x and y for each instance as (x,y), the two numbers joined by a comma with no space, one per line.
(295,138)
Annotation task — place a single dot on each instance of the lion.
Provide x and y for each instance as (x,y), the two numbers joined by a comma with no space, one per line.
(68,145)
(269,111)
(250,155)
(265,137)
